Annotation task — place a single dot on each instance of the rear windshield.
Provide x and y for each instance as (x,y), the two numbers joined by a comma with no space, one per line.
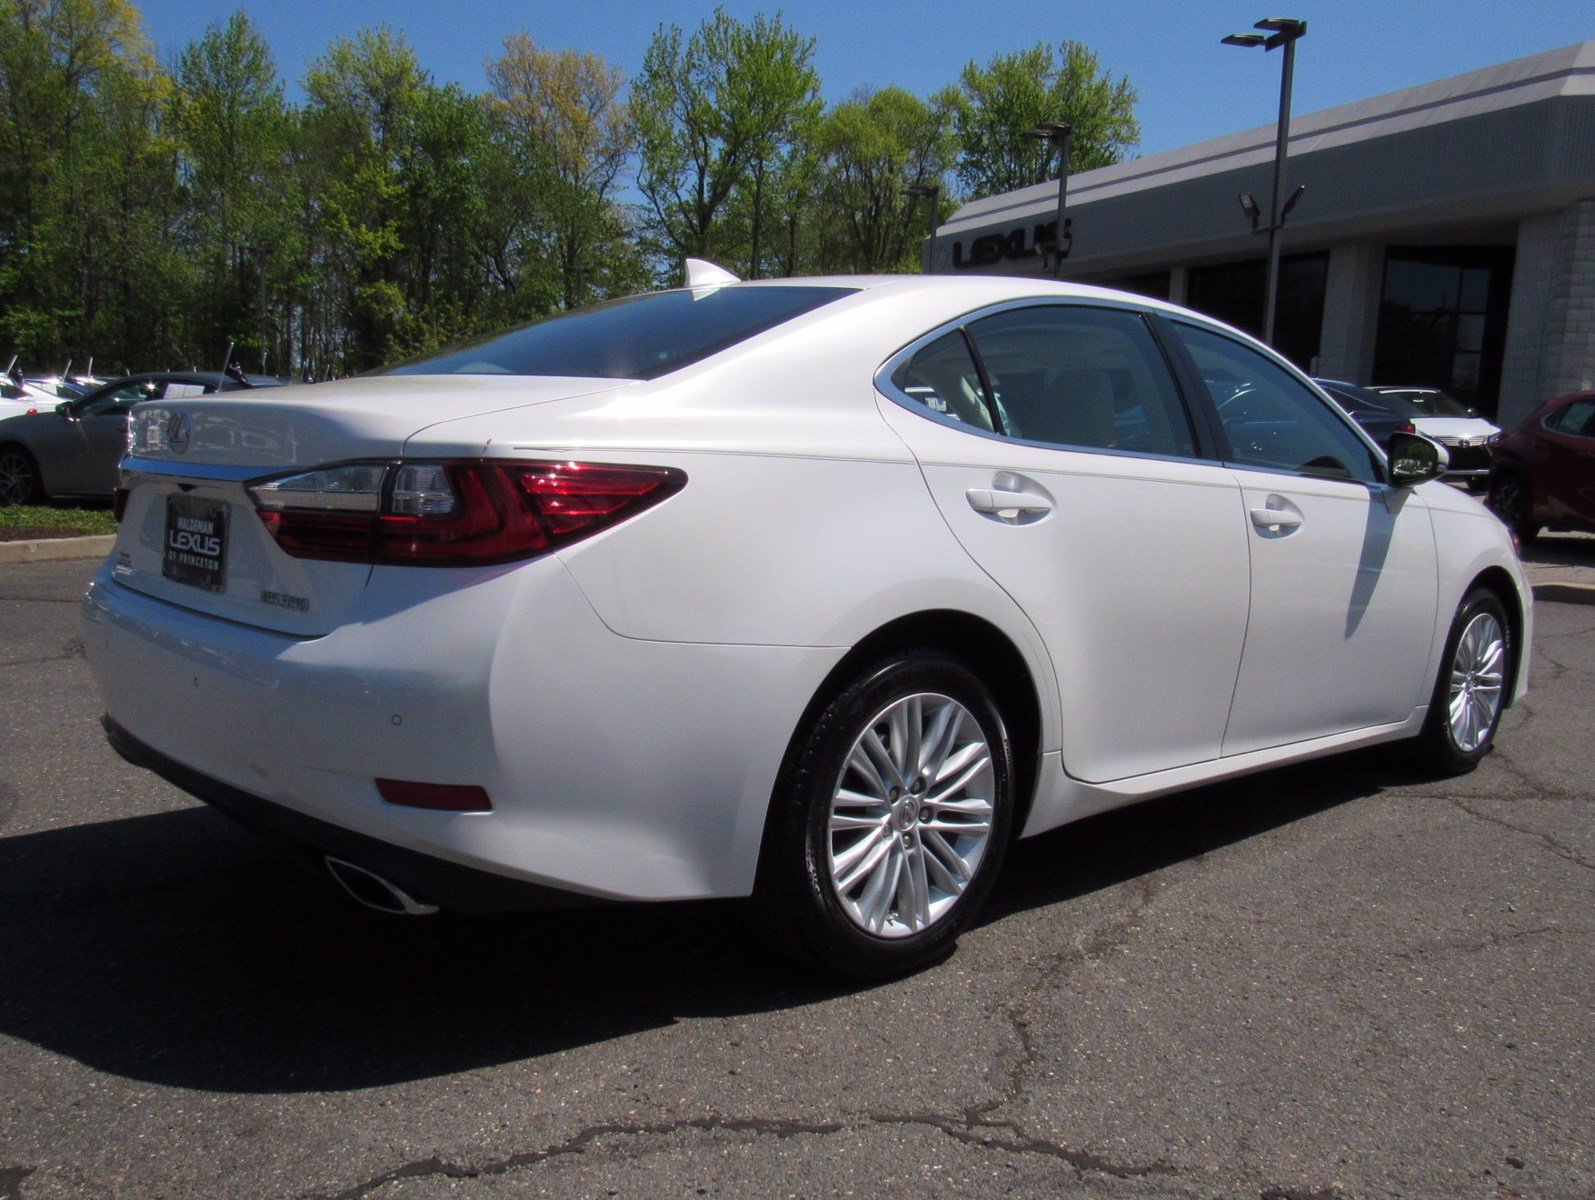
(639,337)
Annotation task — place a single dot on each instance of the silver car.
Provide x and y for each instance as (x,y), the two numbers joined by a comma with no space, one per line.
(73,449)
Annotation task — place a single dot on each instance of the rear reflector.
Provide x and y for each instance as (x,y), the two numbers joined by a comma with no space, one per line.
(445,797)
(457,512)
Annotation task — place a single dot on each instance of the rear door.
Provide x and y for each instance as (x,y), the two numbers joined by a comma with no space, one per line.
(1068,468)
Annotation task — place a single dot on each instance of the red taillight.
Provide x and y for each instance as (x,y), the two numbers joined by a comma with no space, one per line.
(453,513)
(1409,427)
(444,797)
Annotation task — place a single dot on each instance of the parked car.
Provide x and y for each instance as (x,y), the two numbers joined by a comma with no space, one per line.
(1468,437)
(1544,472)
(758,589)
(1370,410)
(21,396)
(72,449)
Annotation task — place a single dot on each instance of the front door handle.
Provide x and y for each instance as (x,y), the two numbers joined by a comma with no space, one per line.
(1275,520)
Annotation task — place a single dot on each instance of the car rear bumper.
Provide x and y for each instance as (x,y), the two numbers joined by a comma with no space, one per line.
(425,877)
(617,768)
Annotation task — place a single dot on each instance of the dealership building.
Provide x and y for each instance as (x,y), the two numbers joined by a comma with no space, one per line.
(1446,235)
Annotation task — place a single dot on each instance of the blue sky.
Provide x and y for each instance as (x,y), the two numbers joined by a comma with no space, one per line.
(1190,86)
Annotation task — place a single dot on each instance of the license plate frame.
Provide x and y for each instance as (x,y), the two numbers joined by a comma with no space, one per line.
(194,550)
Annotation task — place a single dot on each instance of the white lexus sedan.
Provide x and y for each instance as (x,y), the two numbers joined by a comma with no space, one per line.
(815,591)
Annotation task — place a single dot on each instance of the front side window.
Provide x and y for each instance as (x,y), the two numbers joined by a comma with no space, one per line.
(1578,419)
(118,400)
(639,337)
(1270,418)
(1071,375)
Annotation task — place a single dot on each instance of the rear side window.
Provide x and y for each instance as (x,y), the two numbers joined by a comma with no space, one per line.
(1270,418)
(943,377)
(639,337)
(1076,376)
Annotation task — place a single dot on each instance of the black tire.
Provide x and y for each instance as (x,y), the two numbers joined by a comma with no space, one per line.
(1454,746)
(806,896)
(19,477)
(1511,500)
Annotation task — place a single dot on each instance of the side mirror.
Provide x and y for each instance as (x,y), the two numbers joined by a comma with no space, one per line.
(1414,459)
(65,409)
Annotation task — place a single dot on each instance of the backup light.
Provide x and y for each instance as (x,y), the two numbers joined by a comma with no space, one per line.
(456,512)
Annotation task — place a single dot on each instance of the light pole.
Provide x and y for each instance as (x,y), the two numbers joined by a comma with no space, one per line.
(930,192)
(1282,31)
(1057,134)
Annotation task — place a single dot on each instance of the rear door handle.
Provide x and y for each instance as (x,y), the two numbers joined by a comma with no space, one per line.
(994,500)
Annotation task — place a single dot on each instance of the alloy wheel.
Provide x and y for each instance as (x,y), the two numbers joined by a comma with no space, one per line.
(1478,671)
(17,481)
(911,815)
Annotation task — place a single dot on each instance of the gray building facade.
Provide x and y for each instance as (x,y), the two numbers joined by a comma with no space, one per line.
(1446,235)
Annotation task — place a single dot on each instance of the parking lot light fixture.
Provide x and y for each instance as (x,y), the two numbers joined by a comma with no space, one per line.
(1057,134)
(932,193)
(1279,31)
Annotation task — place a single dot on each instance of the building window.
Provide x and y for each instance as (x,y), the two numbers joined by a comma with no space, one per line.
(1442,320)
(1235,293)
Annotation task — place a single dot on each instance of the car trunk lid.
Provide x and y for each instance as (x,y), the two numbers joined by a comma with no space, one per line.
(189,532)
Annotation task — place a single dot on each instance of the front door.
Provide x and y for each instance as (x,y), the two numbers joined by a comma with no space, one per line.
(1343,567)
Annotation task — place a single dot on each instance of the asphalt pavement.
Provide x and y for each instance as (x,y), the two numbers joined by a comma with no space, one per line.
(1333,981)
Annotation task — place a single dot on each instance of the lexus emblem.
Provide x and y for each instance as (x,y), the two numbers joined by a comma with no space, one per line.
(177,431)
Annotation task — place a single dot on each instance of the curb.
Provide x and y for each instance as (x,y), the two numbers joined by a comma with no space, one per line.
(56,549)
(1565,593)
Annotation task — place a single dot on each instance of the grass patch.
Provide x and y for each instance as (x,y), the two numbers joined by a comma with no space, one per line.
(19,521)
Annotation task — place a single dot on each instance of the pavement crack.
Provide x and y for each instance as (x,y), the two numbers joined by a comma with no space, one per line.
(1006,1135)
(579,1143)
(1556,847)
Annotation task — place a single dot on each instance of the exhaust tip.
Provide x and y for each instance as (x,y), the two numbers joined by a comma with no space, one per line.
(372,891)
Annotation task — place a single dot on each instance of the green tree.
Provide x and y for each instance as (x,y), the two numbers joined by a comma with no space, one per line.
(715,113)
(233,130)
(59,61)
(562,109)
(994,105)
(872,148)
(363,101)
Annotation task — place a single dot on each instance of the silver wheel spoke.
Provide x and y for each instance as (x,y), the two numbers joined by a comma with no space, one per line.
(951,872)
(967,763)
(915,899)
(843,821)
(938,740)
(875,905)
(863,764)
(857,861)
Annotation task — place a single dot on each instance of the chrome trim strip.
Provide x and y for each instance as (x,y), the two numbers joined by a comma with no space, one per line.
(886,387)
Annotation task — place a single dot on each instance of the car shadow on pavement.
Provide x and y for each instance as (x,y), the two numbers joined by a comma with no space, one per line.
(179,950)
(1561,550)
